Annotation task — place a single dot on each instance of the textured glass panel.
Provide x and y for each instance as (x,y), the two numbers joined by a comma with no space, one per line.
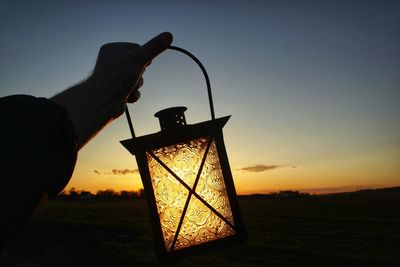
(200,224)
(211,185)
(183,159)
(170,197)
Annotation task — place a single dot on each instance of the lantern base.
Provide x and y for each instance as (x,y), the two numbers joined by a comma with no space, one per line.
(208,247)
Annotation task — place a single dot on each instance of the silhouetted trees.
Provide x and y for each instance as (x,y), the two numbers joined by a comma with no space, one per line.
(100,194)
(290,194)
(73,193)
(285,194)
(108,193)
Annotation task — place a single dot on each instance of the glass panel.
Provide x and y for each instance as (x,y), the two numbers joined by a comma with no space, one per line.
(170,197)
(211,186)
(183,159)
(200,223)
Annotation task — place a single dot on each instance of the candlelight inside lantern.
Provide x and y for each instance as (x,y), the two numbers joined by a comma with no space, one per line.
(190,193)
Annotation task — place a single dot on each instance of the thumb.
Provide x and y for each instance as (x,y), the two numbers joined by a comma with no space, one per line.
(155,46)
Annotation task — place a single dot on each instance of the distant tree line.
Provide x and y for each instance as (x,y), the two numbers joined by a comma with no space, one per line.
(101,194)
(285,194)
(139,194)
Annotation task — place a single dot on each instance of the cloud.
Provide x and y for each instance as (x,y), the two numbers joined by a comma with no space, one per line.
(124,172)
(117,172)
(259,168)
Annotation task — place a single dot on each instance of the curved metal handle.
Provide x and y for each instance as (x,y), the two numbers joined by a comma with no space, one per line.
(210,100)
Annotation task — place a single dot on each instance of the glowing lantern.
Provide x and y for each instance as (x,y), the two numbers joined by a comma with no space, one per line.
(188,182)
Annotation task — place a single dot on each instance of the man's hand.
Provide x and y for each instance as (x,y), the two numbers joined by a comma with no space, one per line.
(123,64)
(115,81)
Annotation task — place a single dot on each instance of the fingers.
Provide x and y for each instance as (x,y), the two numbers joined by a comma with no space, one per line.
(149,51)
(155,46)
(129,45)
(128,61)
(135,94)
(139,84)
(106,48)
(133,97)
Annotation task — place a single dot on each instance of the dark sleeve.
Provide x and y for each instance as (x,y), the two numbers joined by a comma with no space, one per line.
(38,155)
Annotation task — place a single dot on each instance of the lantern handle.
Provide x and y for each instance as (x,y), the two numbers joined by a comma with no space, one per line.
(210,99)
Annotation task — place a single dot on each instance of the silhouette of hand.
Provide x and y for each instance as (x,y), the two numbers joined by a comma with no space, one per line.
(122,65)
(115,80)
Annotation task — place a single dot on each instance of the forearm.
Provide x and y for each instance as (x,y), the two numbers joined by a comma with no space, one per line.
(91,105)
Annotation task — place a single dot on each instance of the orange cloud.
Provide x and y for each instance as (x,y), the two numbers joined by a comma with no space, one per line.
(259,168)
(124,171)
(117,172)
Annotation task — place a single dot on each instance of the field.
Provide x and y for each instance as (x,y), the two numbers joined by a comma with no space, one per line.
(356,229)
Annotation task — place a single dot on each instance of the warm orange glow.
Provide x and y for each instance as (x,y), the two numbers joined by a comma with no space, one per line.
(312,170)
(200,224)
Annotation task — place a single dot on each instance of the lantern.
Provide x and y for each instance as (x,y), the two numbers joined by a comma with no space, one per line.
(188,182)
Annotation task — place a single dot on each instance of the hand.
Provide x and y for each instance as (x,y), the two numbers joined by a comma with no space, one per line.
(115,81)
(122,65)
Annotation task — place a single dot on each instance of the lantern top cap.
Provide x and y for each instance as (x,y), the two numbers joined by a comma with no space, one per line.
(171,117)
(163,112)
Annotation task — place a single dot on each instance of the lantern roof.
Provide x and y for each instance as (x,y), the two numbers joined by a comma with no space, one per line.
(175,134)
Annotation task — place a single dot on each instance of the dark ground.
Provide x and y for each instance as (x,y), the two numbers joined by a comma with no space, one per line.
(357,229)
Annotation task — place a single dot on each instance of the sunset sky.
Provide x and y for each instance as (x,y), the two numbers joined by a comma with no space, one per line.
(313,87)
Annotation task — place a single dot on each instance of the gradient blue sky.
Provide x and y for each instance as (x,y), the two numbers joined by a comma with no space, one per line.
(312,86)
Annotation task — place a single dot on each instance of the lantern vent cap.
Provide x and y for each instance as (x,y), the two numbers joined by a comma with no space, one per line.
(171,118)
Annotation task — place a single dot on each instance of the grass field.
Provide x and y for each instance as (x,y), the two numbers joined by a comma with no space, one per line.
(358,229)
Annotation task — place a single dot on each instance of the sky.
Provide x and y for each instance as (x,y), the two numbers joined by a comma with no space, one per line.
(313,87)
